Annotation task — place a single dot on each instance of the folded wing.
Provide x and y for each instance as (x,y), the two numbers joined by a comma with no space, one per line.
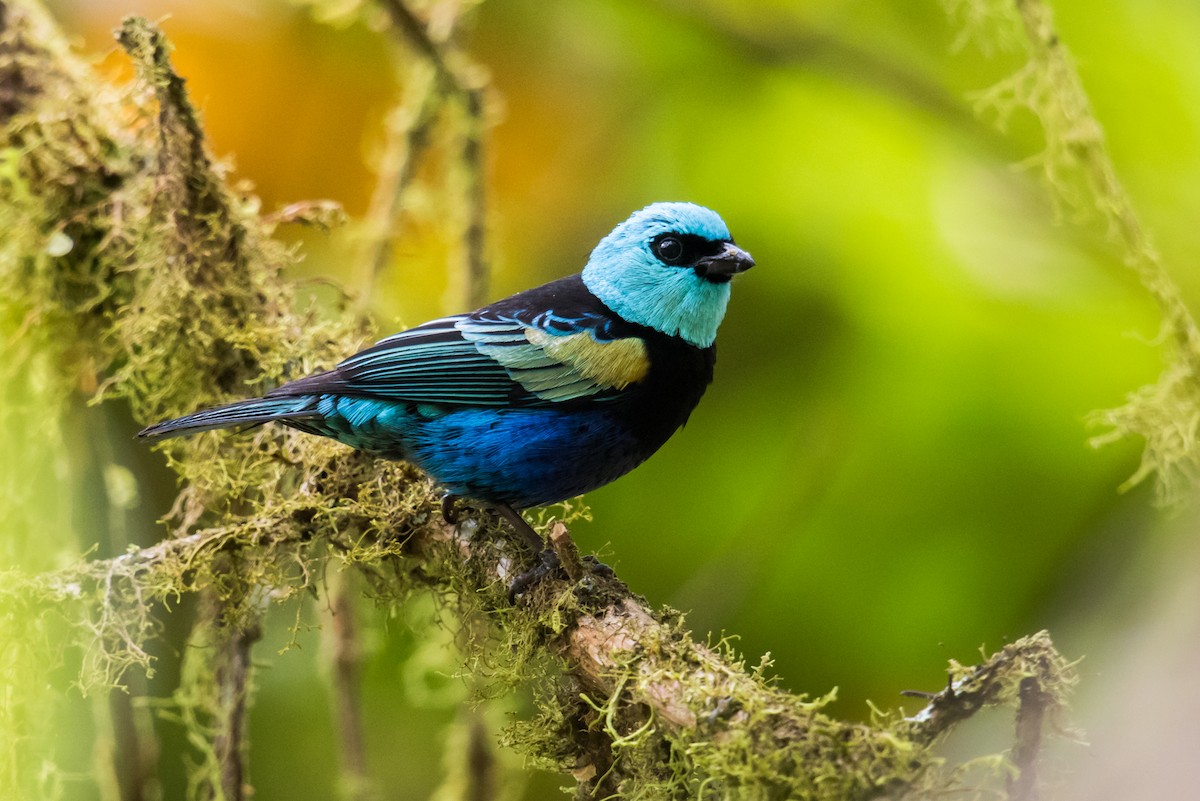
(491,359)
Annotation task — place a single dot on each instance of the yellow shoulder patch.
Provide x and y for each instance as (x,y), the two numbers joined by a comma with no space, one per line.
(615,364)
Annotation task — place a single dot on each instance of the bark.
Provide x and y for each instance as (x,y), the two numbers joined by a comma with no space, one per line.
(182,303)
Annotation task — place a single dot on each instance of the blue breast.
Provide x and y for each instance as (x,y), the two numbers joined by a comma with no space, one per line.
(522,457)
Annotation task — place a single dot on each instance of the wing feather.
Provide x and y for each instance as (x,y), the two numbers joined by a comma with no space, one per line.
(491,358)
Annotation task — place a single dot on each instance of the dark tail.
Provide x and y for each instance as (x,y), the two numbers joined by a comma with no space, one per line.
(243,413)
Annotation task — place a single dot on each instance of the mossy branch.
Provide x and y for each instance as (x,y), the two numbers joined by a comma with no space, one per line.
(445,82)
(634,679)
(170,296)
(1081,179)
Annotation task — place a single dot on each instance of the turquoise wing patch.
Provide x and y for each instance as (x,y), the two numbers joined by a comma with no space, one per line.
(496,361)
(559,366)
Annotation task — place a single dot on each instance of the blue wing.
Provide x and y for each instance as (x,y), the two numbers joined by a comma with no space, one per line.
(492,358)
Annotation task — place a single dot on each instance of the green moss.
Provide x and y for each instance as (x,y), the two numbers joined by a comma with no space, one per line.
(170,296)
(1082,183)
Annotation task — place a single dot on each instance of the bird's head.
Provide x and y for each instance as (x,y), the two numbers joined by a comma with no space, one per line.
(668,267)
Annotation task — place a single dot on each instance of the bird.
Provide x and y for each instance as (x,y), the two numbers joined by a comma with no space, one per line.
(542,396)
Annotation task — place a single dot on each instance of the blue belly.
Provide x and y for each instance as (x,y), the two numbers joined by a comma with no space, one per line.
(522,457)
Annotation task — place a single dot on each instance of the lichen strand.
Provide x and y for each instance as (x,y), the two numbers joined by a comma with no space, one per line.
(169,297)
(200,273)
(651,714)
(55,170)
(56,166)
(128,264)
(280,549)
(1082,183)
(655,715)
(208,317)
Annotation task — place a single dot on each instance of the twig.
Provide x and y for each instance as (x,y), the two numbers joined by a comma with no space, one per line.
(668,708)
(761,39)
(233,681)
(232,629)
(474,229)
(1074,137)
(346,662)
(134,754)
(618,648)
(991,683)
(1080,176)
(417,33)
(409,127)
(409,138)
(1030,715)
(565,549)
(481,762)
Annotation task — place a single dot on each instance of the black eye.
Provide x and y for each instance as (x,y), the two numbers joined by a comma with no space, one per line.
(669,249)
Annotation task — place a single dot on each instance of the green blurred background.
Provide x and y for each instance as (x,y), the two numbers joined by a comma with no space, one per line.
(892,467)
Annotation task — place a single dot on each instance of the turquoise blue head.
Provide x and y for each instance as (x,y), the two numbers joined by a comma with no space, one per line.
(668,267)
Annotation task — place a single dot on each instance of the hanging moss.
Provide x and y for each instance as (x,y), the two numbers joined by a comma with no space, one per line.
(135,274)
(1082,182)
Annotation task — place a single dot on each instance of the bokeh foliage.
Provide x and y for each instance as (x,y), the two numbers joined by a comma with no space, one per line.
(892,466)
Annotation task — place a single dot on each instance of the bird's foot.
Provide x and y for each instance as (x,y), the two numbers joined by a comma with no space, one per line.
(449,513)
(597,567)
(562,556)
(547,564)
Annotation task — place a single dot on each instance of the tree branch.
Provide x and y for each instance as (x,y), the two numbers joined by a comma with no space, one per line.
(189,306)
(232,678)
(1080,177)
(410,129)
(1023,785)
(345,658)
(641,665)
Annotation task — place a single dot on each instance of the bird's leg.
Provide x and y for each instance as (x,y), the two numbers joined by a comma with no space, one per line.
(547,558)
(523,528)
(449,513)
